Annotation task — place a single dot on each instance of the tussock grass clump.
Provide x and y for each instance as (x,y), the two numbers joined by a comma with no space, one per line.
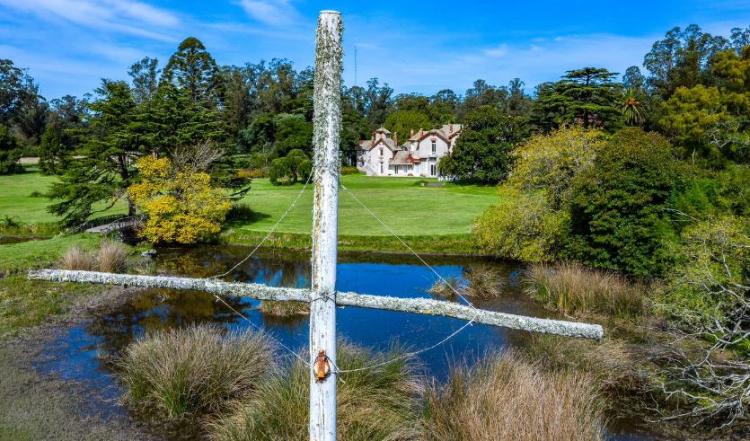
(507,398)
(373,404)
(184,374)
(485,282)
(572,288)
(448,286)
(284,309)
(112,256)
(482,282)
(76,258)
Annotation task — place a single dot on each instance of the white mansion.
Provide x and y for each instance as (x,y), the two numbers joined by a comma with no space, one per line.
(383,156)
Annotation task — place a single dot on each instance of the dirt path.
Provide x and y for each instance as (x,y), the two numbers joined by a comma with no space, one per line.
(35,406)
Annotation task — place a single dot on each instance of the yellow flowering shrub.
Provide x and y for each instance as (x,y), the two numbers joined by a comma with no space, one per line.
(181,206)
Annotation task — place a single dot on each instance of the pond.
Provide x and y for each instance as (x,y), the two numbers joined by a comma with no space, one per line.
(83,352)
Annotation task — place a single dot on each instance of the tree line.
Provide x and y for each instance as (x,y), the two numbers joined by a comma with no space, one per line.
(693,92)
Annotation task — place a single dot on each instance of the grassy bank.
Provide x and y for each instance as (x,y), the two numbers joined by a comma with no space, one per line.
(457,244)
(21,256)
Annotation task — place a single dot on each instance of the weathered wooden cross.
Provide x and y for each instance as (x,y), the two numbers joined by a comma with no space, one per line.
(322,295)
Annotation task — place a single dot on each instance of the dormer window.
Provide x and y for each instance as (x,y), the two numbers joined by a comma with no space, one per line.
(434,146)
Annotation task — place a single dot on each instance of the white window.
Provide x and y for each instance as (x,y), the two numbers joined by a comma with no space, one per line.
(432,169)
(434,147)
(381,168)
(381,151)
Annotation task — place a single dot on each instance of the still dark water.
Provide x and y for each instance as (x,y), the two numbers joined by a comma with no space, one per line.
(83,352)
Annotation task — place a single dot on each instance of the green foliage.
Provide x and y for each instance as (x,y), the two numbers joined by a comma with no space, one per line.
(522,227)
(10,152)
(681,59)
(194,70)
(483,151)
(404,122)
(586,96)
(291,168)
(618,211)
(713,268)
(550,162)
(293,132)
(106,168)
(709,194)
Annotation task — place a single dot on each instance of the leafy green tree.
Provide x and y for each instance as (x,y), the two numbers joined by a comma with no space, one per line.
(292,132)
(548,164)
(682,59)
(106,167)
(64,131)
(483,152)
(523,226)
(618,212)
(16,86)
(404,122)
(145,79)
(10,153)
(193,69)
(587,96)
(291,168)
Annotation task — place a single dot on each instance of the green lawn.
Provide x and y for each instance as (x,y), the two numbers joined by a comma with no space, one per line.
(17,202)
(407,207)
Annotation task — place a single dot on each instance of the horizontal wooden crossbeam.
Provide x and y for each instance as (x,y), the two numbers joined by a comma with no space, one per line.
(264,292)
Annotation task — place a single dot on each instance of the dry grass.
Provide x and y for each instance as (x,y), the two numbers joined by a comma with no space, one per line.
(482,282)
(112,257)
(284,309)
(507,398)
(572,288)
(76,258)
(374,404)
(184,374)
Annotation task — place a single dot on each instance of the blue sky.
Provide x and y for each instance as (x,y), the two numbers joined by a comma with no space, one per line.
(415,46)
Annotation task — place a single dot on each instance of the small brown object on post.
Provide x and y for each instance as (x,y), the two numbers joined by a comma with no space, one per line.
(322,367)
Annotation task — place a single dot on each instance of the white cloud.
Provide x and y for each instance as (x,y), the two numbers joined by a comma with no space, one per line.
(271,12)
(497,52)
(125,16)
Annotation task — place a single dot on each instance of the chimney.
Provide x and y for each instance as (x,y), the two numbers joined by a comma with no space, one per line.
(395,138)
(411,133)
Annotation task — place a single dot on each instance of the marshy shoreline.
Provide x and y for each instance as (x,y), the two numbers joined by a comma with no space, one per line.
(38,405)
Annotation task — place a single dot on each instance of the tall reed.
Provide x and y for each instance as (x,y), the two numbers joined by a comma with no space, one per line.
(508,398)
(184,374)
(76,258)
(381,403)
(572,288)
(112,256)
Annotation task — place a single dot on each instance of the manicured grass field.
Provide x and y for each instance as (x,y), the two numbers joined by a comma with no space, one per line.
(17,202)
(403,204)
(411,206)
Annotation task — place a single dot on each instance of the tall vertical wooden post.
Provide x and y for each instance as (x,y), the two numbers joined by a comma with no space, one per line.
(326,137)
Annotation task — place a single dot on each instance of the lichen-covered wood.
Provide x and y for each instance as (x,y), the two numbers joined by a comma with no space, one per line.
(326,140)
(263,292)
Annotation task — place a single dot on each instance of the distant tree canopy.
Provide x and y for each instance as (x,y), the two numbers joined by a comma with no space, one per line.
(587,96)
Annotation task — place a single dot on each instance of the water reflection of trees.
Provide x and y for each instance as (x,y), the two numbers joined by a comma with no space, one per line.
(160,309)
(268,268)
